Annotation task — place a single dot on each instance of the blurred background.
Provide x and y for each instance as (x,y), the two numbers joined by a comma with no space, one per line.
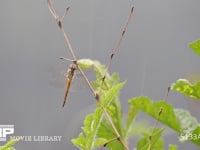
(154,53)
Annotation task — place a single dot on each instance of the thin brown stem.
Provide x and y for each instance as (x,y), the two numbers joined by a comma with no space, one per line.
(110,141)
(96,95)
(157,119)
(87,81)
(116,46)
(65,13)
(68,43)
(67,59)
(114,128)
(60,22)
(104,110)
(52,10)
(104,77)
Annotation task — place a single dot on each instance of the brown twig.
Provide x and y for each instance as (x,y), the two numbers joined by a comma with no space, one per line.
(110,141)
(113,51)
(67,59)
(116,46)
(157,119)
(60,22)
(74,60)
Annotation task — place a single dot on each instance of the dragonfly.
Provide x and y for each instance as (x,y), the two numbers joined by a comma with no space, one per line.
(69,76)
(70,79)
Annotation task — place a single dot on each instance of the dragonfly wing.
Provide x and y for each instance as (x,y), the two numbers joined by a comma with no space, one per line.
(57,77)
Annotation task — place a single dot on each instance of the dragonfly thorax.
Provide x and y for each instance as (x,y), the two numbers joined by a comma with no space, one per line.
(70,71)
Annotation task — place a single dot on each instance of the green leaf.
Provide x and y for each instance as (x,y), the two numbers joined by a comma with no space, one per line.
(189,125)
(111,94)
(107,132)
(132,112)
(195,46)
(114,79)
(188,122)
(100,71)
(80,141)
(177,119)
(155,143)
(86,63)
(114,110)
(100,142)
(196,136)
(159,144)
(93,64)
(193,136)
(8,145)
(172,147)
(9,148)
(88,140)
(167,116)
(91,125)
(94,123)
(114,106)
(185,87)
